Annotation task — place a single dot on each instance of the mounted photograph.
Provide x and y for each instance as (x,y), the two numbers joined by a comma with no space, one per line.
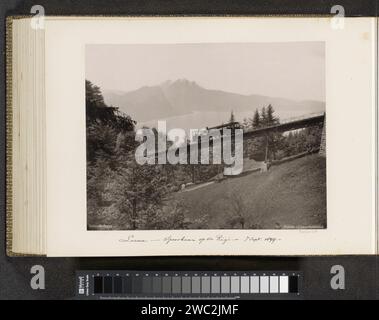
(211,136)
(192,136)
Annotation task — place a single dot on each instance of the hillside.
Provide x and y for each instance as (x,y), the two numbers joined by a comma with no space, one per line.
(290,195)
(183,98)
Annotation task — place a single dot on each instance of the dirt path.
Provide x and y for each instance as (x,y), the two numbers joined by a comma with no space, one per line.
(197,186)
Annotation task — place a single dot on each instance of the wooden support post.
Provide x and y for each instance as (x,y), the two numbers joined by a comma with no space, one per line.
(266,155)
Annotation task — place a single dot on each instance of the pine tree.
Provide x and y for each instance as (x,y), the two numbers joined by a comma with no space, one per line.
(274,140)
(263,120)
(271,119)
(256,121)
(139,192)
(93,95)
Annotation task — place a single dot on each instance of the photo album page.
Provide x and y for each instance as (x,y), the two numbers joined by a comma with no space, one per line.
(210,136)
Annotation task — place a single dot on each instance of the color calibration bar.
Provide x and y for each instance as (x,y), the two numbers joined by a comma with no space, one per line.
(231,285)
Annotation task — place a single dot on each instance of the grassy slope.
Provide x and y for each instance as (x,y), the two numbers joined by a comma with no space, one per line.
(292,194)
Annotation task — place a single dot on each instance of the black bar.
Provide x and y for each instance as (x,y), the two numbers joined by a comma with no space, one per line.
(98,285)
(108,285)
(197,7)
(293,284)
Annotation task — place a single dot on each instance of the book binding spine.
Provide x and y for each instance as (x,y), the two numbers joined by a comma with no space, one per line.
(9,137)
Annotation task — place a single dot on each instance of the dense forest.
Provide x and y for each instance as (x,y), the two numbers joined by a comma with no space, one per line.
(124,195)
(276,145)
(120,193)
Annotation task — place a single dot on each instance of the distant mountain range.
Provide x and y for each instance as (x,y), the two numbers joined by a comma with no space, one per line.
(185,104)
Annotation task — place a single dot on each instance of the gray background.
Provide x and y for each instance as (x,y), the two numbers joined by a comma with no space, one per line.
(361,272)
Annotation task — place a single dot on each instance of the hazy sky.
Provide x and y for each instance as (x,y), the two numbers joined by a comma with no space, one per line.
(294,70)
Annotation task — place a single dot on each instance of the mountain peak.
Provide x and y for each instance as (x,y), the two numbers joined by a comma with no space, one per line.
(182,82)
(184,97)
